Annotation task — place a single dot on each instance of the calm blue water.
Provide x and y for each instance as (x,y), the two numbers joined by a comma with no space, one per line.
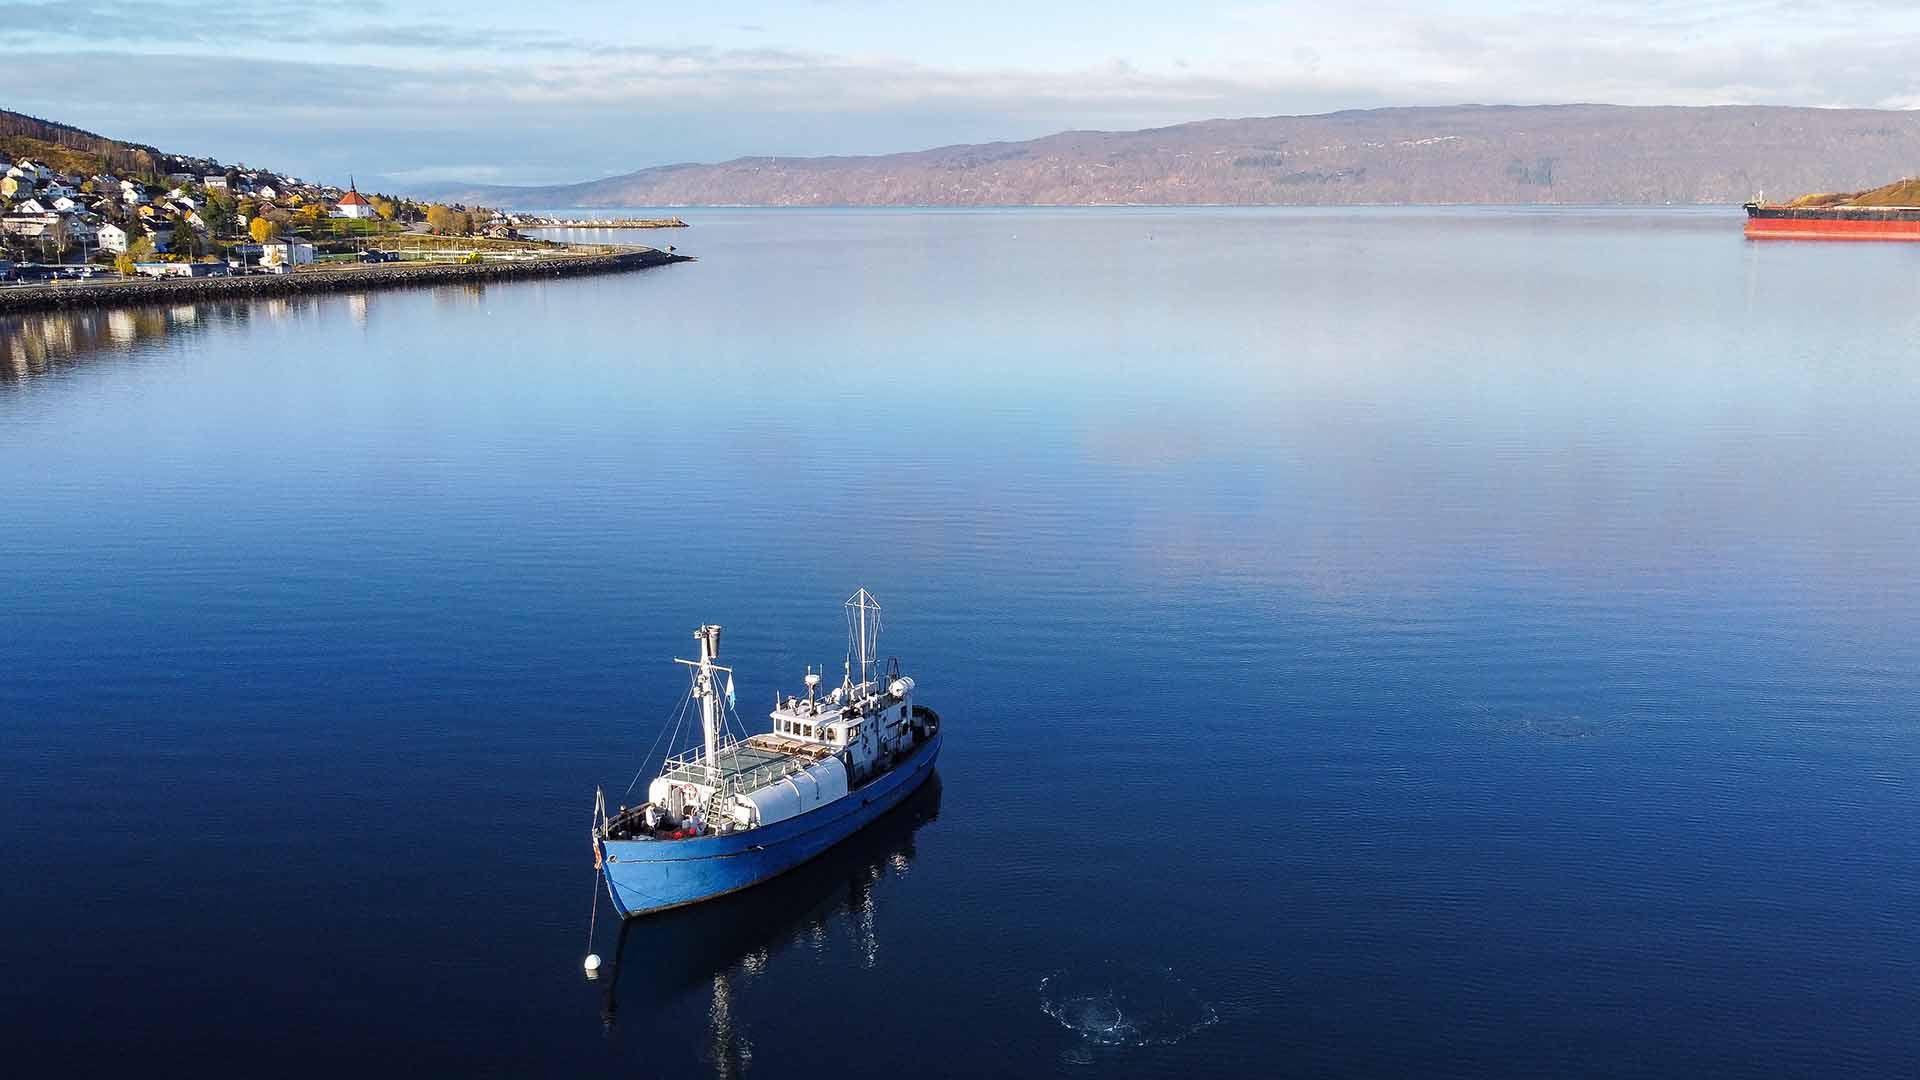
(1381,643)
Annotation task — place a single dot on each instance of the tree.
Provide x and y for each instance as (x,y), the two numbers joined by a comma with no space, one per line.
(446,221)
(262,230)
(186,242)
(384,207)
(140,250)
(123,262)
(218,214)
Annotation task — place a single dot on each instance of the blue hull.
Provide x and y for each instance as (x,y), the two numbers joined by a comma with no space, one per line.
(645,876)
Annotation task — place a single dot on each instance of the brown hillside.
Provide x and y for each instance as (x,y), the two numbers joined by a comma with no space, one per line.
(1566,154)
(71,149)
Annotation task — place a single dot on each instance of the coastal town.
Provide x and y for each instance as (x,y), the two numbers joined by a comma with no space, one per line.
(78,224)
(87,221)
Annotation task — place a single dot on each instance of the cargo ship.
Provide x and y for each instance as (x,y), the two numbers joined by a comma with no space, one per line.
(1885,213)
(732,812)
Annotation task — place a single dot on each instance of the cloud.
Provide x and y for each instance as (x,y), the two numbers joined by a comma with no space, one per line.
(324,93)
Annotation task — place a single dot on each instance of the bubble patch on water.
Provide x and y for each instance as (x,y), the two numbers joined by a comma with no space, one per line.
(1115,1004)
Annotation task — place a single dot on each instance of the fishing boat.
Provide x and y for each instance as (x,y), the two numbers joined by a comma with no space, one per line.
(733,811)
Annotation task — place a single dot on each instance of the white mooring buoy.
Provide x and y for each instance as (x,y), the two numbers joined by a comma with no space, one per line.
(593,963)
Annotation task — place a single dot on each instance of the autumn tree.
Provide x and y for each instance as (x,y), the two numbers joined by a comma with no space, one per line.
(440,219)
(262,230)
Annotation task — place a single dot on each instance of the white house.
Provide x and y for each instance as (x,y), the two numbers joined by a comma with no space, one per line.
(33,206)
(50,227)
(66,202)
(111,237)
(214,183)
(267,191)
(289,253)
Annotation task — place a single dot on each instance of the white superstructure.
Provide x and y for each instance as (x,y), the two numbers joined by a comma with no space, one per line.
(821,746)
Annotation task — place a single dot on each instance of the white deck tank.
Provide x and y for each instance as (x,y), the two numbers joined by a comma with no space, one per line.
(815,785)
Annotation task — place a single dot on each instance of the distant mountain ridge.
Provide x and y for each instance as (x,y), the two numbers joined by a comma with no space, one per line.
(1492,154)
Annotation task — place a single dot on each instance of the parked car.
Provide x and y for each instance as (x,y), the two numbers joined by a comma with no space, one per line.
(371,256)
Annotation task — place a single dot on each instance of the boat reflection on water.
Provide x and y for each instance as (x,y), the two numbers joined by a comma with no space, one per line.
(725,943)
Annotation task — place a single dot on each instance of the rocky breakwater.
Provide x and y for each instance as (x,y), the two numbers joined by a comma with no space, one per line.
(124,292)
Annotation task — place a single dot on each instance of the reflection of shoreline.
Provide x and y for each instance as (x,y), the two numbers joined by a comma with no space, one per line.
(37,345)
(724,943)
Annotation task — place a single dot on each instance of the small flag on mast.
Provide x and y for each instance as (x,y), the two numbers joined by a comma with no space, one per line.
(730,690)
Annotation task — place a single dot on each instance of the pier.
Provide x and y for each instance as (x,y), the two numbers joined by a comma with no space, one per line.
(316,279)
(520,222)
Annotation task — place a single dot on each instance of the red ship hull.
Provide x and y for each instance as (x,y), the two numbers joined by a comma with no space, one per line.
(1876,223)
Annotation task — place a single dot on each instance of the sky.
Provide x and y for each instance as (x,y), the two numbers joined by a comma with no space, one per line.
(405,93)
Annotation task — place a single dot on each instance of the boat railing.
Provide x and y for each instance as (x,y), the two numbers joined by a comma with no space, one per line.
(691,767)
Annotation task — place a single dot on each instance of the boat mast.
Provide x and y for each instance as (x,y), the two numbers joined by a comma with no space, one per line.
(705,689)
(709,698)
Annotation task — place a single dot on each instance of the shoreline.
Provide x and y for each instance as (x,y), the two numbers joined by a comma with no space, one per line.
(75,296)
